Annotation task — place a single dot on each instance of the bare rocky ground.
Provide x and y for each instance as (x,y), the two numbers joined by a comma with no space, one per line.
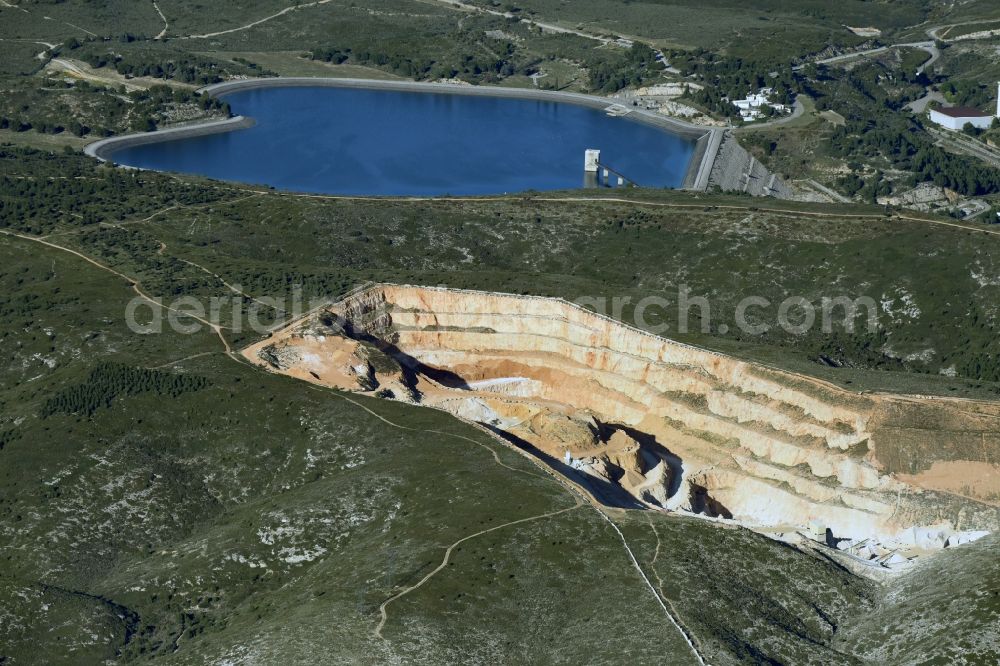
(261,519)
(643,422)
(555,383)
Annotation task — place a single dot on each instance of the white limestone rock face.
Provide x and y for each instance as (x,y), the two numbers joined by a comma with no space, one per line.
(712,432)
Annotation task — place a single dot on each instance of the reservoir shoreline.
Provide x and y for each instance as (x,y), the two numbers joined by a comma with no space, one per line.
(706,139)
(104,148)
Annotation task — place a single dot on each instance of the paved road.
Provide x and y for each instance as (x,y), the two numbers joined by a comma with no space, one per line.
(918,106)
(981,34)
(930,47)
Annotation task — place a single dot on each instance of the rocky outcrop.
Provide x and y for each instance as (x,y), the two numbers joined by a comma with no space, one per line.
(672,425)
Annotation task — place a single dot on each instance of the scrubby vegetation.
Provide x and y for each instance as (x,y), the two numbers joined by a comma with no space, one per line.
(769,28)
(84,109)
(274,493)
(183,68)
(921,619)
(471,58)
(871,102)
(142,60)
(207,512)
(707,598)
(969,93)
(325,248)
(638,67)
(41,191)
(489,50)
(727,78)
(884,147)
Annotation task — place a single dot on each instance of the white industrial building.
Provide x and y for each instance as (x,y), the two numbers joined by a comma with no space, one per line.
(750,108)
(957,117)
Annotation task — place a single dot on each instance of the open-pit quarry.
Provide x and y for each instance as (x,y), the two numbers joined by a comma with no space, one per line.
(644,422)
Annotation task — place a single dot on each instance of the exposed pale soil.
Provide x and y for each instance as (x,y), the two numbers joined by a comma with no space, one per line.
(972,479)
(642,421)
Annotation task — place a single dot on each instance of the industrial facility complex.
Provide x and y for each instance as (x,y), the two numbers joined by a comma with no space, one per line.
(957,117)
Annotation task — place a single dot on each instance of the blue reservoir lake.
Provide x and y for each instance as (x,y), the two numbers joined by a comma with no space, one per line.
(357,141)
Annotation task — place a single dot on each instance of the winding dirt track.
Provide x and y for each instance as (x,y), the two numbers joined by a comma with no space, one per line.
(447,555)
(256,23)
(934,33)
(692,641)
(399,426)
(652,204)
(549,27)
(579,497)
(166,24)
(133,282)
(4,3)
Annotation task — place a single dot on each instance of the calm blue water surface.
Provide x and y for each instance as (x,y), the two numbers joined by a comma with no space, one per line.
(375,142)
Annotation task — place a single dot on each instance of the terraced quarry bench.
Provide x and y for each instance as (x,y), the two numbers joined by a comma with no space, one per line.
(641,421)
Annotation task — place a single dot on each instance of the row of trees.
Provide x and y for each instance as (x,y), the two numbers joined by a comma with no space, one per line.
(968,93)
(159,63)
(109,381)
(879,130)
(610,75)
(76,128)
(177,67)
(727,78)
(84,109)
(469,57)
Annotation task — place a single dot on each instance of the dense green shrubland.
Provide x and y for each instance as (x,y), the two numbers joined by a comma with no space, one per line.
(109,381)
